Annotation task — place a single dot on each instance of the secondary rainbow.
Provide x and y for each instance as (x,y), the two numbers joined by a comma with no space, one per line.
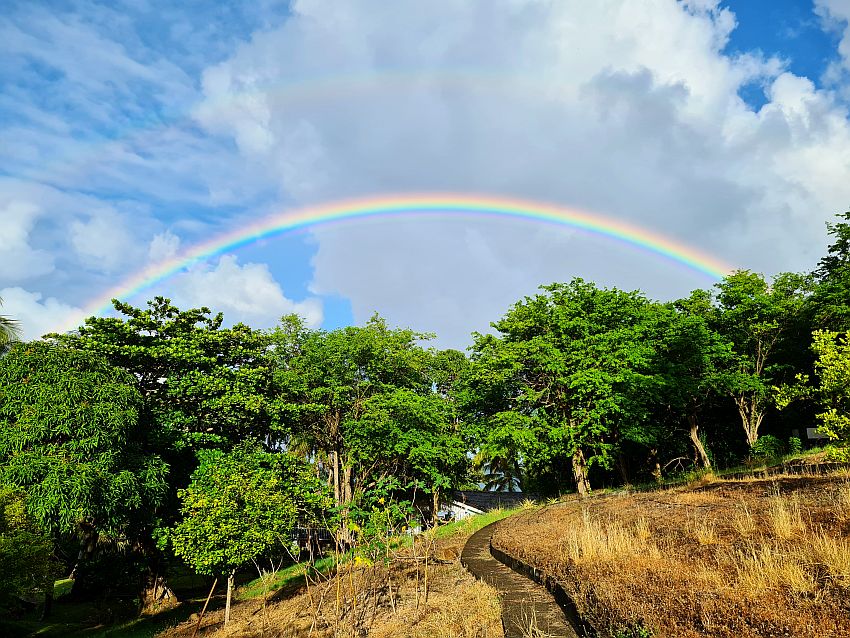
(418,204)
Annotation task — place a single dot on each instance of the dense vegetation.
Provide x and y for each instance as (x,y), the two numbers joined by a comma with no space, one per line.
(163,435)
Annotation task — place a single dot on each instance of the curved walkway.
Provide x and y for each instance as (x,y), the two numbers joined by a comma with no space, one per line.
(526,606)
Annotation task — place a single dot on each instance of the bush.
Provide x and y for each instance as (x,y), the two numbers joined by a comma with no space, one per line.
(767,447)
(795,445)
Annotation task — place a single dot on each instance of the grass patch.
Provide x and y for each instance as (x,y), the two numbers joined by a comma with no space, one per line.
(288,577)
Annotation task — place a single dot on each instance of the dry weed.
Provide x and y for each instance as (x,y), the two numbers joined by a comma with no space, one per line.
(594,541)
(767,567)
(703,531)
(642,529)
(786,519)
(842,503)
(834,555)
(744,522)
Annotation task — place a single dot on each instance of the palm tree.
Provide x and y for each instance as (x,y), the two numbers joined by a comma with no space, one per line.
(10,330)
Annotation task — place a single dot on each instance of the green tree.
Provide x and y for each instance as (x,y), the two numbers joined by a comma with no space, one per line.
(756,317)
(240,506)
(833,371)
(204,385)
(571,365)
(693,361)
(329,381)
(71,437)
(27,565)
(831,297)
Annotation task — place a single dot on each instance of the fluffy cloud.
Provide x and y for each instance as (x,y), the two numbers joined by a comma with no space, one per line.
(163,246)
(19,260)
(629,109)
(37,316)
(246,293)
(103,241)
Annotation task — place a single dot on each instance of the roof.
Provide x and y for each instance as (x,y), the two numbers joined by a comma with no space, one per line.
(488,501)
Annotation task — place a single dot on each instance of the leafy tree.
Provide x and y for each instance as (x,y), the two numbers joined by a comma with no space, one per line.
(833,370)
(27,565)
(240,506)
(202,384)
(413,437)
(693,360)
(330,380)
(571,366)
(831,297)
(756,317)
(70,436)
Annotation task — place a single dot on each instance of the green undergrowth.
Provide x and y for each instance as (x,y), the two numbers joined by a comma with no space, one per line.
(287,577)
(294,574)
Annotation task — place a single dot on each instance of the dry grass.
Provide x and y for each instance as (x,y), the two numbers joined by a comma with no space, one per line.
(786,518)
(761,568)
(593,541)
(733,559)
(373,600)
(743,521)
(842,504)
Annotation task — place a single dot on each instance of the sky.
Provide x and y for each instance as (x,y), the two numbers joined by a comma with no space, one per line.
(133,131)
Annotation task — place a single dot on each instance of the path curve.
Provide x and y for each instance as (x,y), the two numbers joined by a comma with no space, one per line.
(523,601)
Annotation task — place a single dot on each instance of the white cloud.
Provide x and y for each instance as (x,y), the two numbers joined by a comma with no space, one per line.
(104,241)
(628,109)
(18,260)
(37,316)
(163,246)
(246,293)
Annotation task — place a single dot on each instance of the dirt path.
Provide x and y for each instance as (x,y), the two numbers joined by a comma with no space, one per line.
(526,606)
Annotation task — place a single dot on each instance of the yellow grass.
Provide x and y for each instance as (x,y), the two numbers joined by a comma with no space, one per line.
(744,522)
(767,567)
(786,519)
(597,541)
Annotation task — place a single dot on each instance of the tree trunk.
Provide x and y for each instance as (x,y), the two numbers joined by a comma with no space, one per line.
(337,495)
(580,472)
(230,578)
(347,487)
(48,602)
(623,467)
(435,505)
(694,431)
(752,415)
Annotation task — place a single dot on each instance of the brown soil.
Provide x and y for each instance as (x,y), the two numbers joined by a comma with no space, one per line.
(733,559)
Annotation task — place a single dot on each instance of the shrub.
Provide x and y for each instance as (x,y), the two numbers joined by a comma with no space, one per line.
(795,445)
(767,446)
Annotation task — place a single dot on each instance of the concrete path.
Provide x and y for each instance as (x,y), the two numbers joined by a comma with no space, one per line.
(528,610)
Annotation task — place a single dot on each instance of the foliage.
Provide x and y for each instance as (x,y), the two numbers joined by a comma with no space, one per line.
(757,317)
(369,402)
(27,566)
(833,370)
(204,385)
(768,446)
(830,298)
(70,436)
(241,505)
(795,445)
(568,375)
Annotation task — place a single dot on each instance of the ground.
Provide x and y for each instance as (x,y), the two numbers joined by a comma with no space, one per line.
(729,559)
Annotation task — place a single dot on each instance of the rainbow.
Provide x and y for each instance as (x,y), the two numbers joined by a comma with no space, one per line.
(417,204)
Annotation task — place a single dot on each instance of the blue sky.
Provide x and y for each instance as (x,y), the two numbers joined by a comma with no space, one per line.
(130,131)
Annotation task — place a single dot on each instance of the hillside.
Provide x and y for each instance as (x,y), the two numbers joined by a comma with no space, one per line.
(730,559)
